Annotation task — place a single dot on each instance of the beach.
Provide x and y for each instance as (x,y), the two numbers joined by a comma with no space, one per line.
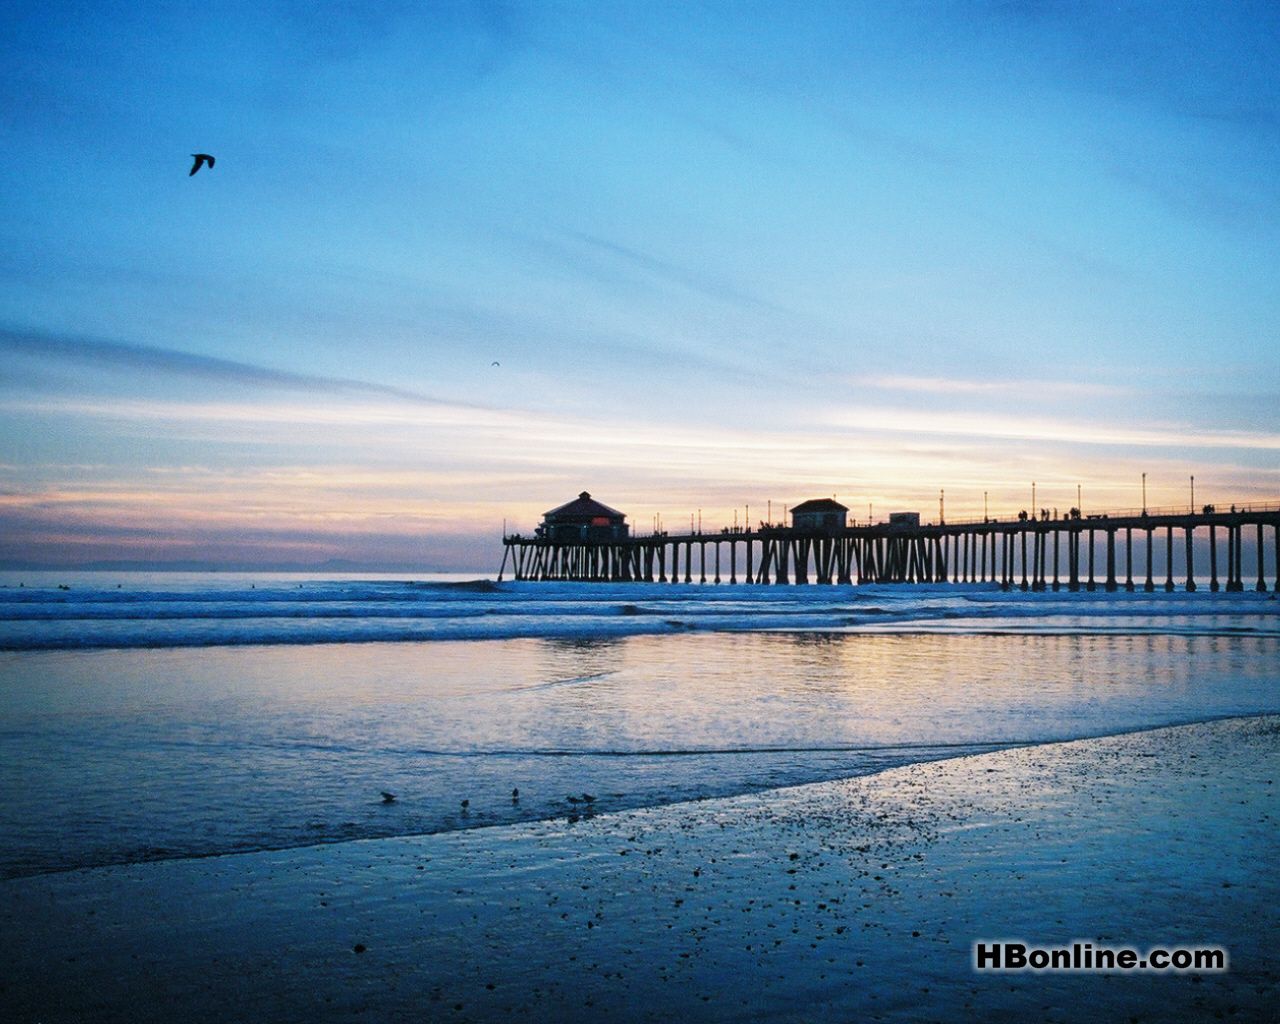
(849,899)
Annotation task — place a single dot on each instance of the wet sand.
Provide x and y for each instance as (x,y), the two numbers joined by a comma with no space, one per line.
(857,899)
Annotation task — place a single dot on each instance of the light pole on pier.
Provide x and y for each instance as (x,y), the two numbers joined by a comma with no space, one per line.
(1144,494)
(1193,494)
(942,515)
(1079,503)
(984,506)
(1033,499)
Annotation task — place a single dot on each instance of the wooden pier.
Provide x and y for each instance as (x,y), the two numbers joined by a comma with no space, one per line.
(1095,552)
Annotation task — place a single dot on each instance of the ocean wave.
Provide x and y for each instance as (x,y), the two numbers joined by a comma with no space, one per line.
(336,612)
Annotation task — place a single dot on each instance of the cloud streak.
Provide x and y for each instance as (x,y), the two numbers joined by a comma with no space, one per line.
(174,362)
(1074,432)
(704,284)
(959,386)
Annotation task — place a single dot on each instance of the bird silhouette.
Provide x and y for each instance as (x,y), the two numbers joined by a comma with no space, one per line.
(496,363)
(388,798)
(201,160)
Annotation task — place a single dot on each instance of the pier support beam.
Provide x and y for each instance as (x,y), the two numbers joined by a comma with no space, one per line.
(1111,561)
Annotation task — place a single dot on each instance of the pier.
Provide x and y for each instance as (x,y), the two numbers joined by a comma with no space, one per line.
(1095,552)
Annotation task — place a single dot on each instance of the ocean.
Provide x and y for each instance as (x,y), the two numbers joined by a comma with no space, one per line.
(152,716)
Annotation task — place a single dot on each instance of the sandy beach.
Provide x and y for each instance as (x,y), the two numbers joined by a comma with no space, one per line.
(856,899)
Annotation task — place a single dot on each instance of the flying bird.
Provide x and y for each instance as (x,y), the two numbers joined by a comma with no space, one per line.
(388,798)
(496,363)
(201,160)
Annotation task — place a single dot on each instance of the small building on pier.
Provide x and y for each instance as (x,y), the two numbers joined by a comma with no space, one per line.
(819,515)
(583,519)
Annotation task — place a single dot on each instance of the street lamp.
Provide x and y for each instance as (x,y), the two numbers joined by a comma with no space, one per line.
(1193,494)
(1144,494)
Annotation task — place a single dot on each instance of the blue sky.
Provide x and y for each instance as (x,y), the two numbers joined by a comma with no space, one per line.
(725,254)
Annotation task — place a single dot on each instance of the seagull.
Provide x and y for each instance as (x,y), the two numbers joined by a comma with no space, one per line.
(495,363)
(201,160)
(388,798)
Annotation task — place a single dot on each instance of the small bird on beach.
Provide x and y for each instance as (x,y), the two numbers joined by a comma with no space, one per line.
(465,805)
(388,798)
(515,795)
(201,159)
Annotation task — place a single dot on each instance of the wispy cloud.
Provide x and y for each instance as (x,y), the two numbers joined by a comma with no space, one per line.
(702,283)
(1073,432)
(958,386)
(174,362)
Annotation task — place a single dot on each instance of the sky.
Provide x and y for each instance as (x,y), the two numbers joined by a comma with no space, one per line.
(725,257)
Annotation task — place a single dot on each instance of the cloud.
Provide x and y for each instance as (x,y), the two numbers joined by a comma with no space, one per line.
(153,359)
(953,386)
(1076,432)
(707,285)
